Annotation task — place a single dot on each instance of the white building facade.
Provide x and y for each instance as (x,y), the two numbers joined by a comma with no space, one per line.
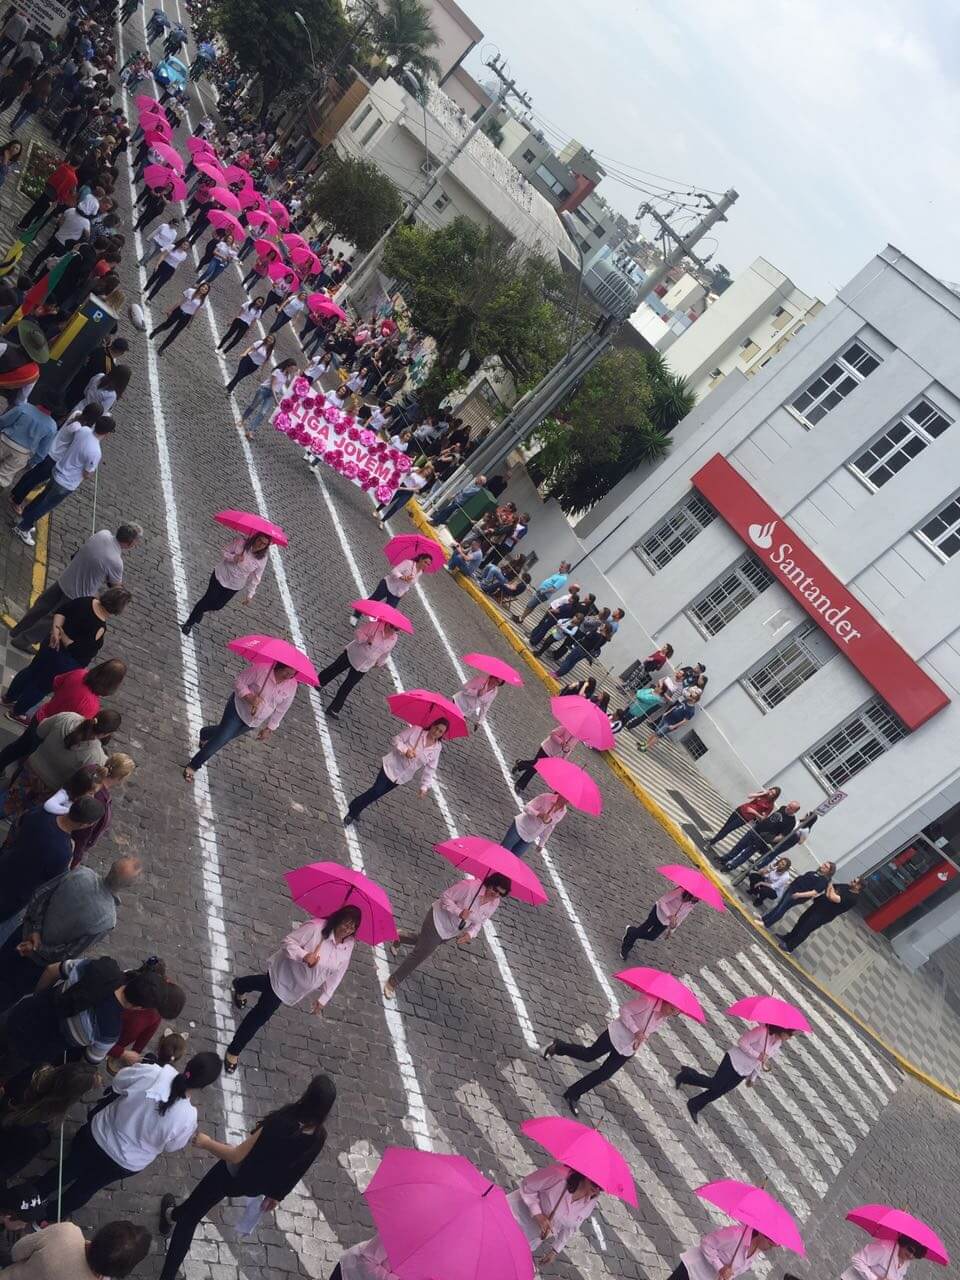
(803,540)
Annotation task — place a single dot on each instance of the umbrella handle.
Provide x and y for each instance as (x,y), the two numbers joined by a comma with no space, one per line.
(266,678)
(463,924)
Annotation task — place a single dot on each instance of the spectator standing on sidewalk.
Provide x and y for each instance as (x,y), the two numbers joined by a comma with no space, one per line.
(674,719)
(460,499)
(837,899)
(642,670)
(765,831)
(547,588)
(589,647)
(758,804)
(26,434)
(564,607)
(806,887)
(77,452)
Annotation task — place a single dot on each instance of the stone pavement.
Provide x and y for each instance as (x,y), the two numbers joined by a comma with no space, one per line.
(454,1062)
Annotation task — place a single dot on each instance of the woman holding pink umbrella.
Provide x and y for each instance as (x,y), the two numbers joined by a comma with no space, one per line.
(535,823)
(412,750)
(241,565)
(671,909)
(762,1224)
(753,1054)
(371,647)
(899,1239)
(551,1205)
(476,696)
(410,556)
(558,744)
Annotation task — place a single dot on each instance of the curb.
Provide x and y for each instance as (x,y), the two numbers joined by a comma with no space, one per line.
(38,574)
(682,840)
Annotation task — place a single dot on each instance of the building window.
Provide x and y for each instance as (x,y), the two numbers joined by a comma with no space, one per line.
(694,744)
(841,376)
(361,117)
(716,373)
(907,437)
(441,202)
(668,538)
(584,246)
(780,311)
(942,532)
(865,736)
(371,131)
(528,156)
(552,182)
(747,342)
(599,231)
(790,665)
(728,597)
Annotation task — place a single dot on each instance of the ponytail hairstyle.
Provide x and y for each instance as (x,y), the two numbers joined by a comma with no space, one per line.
(201,1070)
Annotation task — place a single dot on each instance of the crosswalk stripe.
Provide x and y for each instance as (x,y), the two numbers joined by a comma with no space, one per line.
(857,1105)
(785,1066)
(862,1059)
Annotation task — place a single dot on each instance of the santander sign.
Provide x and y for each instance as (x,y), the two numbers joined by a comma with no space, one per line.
(880,659)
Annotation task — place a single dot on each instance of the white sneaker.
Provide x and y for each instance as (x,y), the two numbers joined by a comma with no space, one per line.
(26,538)
(353,622)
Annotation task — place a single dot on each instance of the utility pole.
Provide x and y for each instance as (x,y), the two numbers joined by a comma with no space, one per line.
(527,414)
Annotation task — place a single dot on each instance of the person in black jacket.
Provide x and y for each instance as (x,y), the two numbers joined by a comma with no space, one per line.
(805,889)
(269,1163)
(765,832)
(835,901)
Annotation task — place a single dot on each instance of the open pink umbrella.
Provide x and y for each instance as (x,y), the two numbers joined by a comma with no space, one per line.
(246,523)
(266,249)
(383,612)
(757,1210)
(494,667)
(280,212)
(171,155)
(421,707)
(573,783)
(154,137)
(209,170)
(584,720)
(200,146)
(233,173)
(280,271)
(294,241)
(324,887)
(226,222)
(226,199)
(158,126)
(327,307)
(157,176)
(586,1151)
(146,103)
(306,260)
(770,1011)
(437,1215)
(886,1223)
(267,224)
(249,198)
(268,649)
(694,882)
(178,188)
(407,546)
(481,857)
(663,986)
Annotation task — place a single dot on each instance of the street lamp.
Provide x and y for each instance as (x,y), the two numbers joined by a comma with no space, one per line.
(566,217)
(303,22)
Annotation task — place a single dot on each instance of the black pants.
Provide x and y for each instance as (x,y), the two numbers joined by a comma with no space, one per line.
(649,931)
(590,1053)
(233,335)
(152,208)
(39,207)
(158,278)
(382,785)
(244,369)
(212,600)
(259,1015)
(380,592)
(679,1272)
(336,1274)
(86,1170)
(733,823)
(32,479)
(337,668)
(808,923)
(176,323)
(723,1080)
(216,1184)
(762,892)
(527,770)
(21,747)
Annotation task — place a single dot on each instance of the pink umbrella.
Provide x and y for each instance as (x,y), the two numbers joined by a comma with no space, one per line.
(480,857)
(663,986)
(244,522)
(584,720)
(154,137)
(257,218)
(171,155)
(225,198)
(695,882)
(573,783)
(266,249)
(156,126)
(885,1223)
(157,176)
(249,198)
(200,146)
(383,613)
(327,307)
(757,1210)
(268,649)
(407,546)
(209,170)
(421,707)
(439,1216)
(233,173)
(280,212)
(586,1151)
(280,271)
(226,222)
(494,667)
(324,887)
(294,241)
(770,1011)
(306,259)
(146,103)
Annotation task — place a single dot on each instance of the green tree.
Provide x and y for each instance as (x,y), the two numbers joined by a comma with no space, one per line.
(403,32)
(268,41)
(611,425)
(472,291)
(355,199)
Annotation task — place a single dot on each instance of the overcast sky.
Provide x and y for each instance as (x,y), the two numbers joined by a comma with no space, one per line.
(837,121)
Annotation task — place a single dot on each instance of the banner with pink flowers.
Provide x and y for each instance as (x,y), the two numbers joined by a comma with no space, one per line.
(336,438)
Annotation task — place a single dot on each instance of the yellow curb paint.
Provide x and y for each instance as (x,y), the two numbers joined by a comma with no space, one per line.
(683,841)
(38,579)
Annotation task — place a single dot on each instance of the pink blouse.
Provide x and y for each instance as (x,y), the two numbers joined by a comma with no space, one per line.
(399,768)
(558,743)
(673,909)
(636,1022)
(539,817)
(367,1261)
(728,1247)
(291,979)
(275,696)
(239,568)
(465,895)
(545,1191)
(754,1048)
(371,646)
(476,697)
(401,578)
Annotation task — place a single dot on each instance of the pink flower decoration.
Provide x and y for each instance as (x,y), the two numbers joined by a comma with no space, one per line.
(282,422)
(351,470)
(403,464)
(302,436)
(367,437)
(333,457)
(301,387)
(353,434)
(384,493)
(287,404)
(339,428)
(332,415)
(369,482)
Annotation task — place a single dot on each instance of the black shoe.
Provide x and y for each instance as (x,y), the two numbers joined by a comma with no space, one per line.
(550,1050)
(348,819)
(186,627)
(625,946)
(168,1202)
(678,1080)
(694,1112)
(22,645)
(571,1104)
(331,714)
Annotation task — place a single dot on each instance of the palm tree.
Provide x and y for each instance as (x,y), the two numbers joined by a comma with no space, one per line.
(672,401)
(404,33)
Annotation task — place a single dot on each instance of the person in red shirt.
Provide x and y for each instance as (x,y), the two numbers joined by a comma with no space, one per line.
(78,690)
(759,804)
(60,190)
(139,1026)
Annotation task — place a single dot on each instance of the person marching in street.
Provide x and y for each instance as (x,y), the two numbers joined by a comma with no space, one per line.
(241,567)
(758,804)
(753,1053)
(370,647)
(724,1254)
(248,314)
(411,750)
(550,1205)
(171,257)
(393,586)
(182,315)
(535,823)
(635,1023)
(476,697)
(884,1259)
(252,359)
(558,744)
(460,912)
(311,960)
(267,396)
(666,916)
(259,701)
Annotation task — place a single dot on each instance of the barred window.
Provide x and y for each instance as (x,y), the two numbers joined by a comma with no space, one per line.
(694,744)
(943,530)
(862,738)
(738,587)
(790,665)
(841,376)
(908,436)
(668,538)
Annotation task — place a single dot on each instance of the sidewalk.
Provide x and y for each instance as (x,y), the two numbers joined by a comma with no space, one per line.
(915,1016)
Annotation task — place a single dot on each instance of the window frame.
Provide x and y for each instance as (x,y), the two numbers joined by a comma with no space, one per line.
(875,703)
(795,638)
(746,561)
(684,509)
(847,370)
(954,529)
(914,429)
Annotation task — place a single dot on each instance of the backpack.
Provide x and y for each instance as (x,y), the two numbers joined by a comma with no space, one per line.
(99,979)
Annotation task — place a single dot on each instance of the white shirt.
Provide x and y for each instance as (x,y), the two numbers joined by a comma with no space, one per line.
(778,880)
(245,572)
(538,817)
(371,645)
(74,226)
(249,314)
(78,454)
(293,306)
(191,304)
(92,394)
(476,697)
(224,252)
(724,1248)
(258,354)
(173,257)
(131,1130)
(292,979)
(317,368)
(636,1022)
(400,769)
(401,578)
(465,895)
(277,382)
(878,1260)
(754,1048)
(165,236)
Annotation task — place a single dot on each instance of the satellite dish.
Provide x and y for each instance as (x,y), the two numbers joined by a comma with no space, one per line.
(32,340)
